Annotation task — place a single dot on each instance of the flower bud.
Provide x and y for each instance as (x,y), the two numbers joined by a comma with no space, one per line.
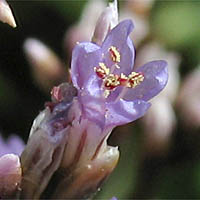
(188,101)
(158,127)
(107,21)
(85,180)
(44,150)
(139,7)
(47,68)
(83,30)
(6,15)
(10,175)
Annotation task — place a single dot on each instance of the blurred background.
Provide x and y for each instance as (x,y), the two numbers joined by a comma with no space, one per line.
(160,153)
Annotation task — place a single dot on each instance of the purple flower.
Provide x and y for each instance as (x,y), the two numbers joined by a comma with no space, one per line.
(113,198)
(78,121)
(110,91)
(13,145)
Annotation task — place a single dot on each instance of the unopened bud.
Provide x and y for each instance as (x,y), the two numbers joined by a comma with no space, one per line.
(158,127)
(188,101)
(107,21)
(83,30)
(86,180)
(6,15)
(47,68)
(10,175)
(139,7)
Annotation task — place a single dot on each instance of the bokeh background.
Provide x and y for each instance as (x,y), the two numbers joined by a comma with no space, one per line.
(160,153)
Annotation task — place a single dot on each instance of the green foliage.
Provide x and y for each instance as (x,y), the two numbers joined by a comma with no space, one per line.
(122,181)
(177,23)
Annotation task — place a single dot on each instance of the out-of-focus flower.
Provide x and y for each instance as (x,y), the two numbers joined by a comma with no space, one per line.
(161,126)
(10,168)
(188,101)
(14,145)
(6,15)
(113,198)
(83,30)
(141,8)
(158,124)
(48,69)
(138,11)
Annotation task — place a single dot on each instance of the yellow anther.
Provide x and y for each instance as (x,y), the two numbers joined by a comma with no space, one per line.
(134,79)
(104,68)
(114,53)
(102,71)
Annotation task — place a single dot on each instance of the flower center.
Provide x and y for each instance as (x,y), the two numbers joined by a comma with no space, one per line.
(111,80)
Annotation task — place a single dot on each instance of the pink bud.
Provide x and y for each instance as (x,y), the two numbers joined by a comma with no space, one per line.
(47,68)
(10,174)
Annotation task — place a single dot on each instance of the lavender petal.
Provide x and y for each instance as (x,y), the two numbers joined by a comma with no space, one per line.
(118,37)
(85,58)
(122,111)
(93,109)
(15,144)
(155,78)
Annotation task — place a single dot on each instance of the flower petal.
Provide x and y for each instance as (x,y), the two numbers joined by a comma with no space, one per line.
(93,108)
(122,111)
(85,57)
(155,78)
(118,38)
